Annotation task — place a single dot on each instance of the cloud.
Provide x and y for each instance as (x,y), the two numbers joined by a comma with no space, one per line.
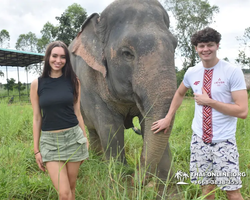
(20,17)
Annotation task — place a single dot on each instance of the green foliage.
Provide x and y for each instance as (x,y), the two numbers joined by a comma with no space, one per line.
(1,74)
(70,23)
(12,89)
(10,84)
(49,33)
(100,179)
(179,76)
(243,56)
(190,16)
(4,39)
(19,86)
(27,42)
(67,29)
(243,59)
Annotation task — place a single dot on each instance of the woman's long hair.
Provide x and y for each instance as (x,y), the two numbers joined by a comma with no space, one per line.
(67,70)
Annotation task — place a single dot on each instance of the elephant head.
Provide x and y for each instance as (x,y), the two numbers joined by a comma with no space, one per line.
(125,62)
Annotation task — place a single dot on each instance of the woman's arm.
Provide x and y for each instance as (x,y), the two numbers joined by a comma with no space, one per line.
(37,122)
(78,113)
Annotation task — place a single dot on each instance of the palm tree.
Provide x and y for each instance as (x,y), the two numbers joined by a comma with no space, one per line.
(185,176)
(178,175)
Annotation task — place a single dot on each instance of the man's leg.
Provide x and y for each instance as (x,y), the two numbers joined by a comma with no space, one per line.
(234,195)
(226,157)
(208,191)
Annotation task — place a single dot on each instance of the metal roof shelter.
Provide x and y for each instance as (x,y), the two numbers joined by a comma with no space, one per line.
(14,58)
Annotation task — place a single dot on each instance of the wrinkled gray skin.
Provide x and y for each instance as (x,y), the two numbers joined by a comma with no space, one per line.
(125,62)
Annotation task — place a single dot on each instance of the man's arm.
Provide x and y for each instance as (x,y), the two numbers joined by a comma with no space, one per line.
(239,109)
(164,123)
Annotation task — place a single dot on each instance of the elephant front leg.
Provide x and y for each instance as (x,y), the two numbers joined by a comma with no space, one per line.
(112,140)
(95,142)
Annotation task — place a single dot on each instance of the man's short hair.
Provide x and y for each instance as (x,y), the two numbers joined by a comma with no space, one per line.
(206,35)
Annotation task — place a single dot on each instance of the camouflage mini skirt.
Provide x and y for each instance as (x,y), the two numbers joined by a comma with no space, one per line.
(69,145)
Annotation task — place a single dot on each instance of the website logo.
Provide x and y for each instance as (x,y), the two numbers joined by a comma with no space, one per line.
(181,176)
(219,82)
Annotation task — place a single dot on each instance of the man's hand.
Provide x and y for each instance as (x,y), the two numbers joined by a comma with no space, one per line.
(162,124)
(202,99)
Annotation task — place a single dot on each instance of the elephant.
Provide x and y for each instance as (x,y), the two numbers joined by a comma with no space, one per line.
(124,59)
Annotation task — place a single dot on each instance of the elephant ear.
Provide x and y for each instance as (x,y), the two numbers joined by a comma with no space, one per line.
(88,45)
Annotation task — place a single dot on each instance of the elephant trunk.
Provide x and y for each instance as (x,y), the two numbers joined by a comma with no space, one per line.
(153,150)
(155,145)
(153,101)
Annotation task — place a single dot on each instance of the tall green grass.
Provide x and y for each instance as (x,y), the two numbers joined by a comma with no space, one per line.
(20,177)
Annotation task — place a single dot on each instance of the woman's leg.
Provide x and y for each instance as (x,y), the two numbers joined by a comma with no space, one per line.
(60,179)
(72,170)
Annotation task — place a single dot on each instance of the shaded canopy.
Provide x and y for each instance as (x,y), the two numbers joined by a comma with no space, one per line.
(19,58)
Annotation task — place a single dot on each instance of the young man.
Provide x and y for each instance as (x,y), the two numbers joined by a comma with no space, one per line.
(220,98)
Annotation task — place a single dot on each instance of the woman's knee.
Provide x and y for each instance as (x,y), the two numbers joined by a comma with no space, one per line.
(65,194)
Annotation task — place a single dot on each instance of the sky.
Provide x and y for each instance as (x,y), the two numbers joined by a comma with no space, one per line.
(23,16)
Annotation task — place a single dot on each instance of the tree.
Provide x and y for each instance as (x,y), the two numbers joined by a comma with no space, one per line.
(27,42)
(70,23)
(179,75)
(190,16)
(243,57)
(19,86)
(10,84)
(49,34)
(35,68)
(4,39)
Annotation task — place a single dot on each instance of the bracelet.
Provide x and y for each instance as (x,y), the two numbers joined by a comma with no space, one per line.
(37,152)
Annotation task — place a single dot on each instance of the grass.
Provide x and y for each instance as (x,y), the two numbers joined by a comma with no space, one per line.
(20,177)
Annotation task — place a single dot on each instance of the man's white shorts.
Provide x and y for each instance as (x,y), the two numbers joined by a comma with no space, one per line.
(216,164)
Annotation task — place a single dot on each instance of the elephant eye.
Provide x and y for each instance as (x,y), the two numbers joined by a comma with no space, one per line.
(127,55)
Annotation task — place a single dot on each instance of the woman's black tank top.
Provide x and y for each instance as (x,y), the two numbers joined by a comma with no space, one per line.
(56,101)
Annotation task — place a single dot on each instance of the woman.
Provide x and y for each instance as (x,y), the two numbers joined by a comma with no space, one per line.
(55,98)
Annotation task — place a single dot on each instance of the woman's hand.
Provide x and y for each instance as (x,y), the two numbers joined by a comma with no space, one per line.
(39,161)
